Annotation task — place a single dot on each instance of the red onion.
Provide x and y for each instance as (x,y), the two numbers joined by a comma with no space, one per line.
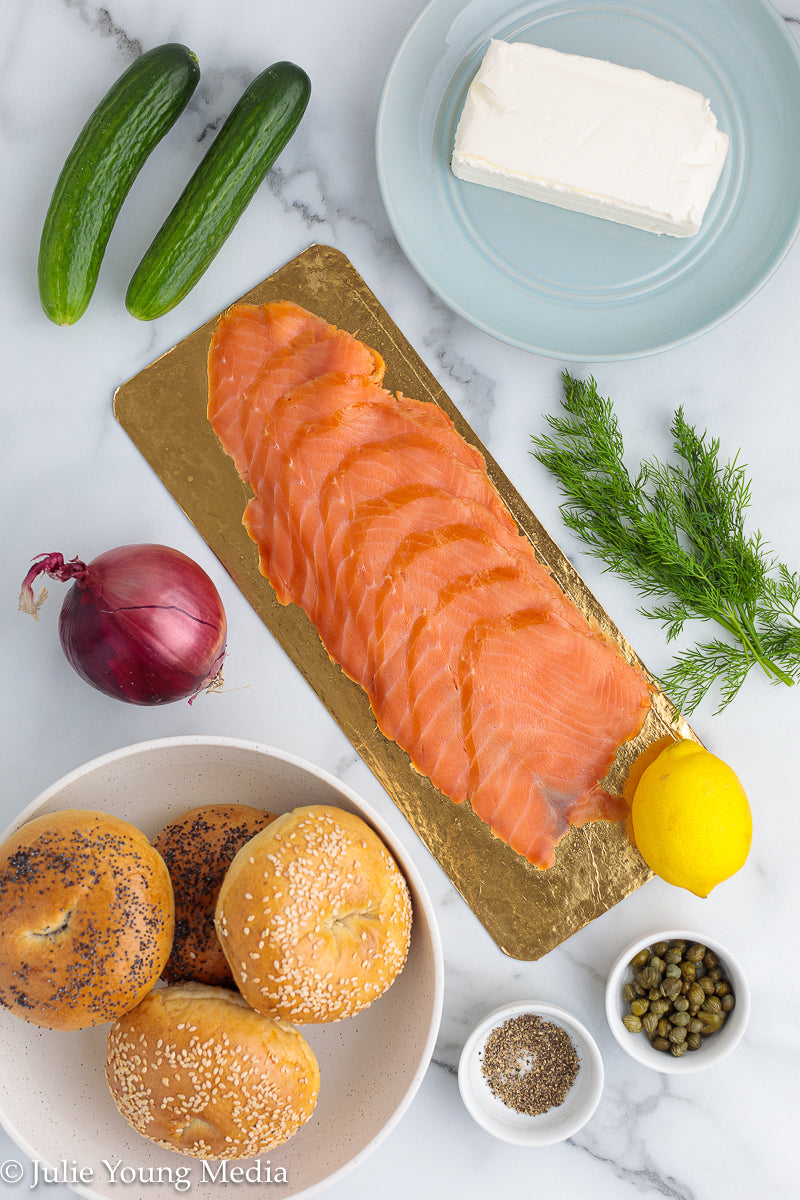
(143,623)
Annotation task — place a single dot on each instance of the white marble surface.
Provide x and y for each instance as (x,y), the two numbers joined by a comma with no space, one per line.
(72,481)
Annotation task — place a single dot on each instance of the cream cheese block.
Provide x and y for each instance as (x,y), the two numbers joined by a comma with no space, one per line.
(591,136)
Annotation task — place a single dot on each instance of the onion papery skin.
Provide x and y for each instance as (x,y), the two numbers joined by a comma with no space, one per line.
(144,624)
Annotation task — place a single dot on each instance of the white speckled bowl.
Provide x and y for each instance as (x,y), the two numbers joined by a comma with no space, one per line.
(54,1101)
(714,1048)
(520,1129)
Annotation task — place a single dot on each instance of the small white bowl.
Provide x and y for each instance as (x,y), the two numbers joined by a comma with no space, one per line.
(504,1122)
(713,1049)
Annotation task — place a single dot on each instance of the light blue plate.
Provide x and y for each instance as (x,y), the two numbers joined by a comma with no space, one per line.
(567,285)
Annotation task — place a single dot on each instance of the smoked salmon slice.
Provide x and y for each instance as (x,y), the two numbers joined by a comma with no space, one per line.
(304,359)
(423,564)
(245,337)
(375,516)
(325,448)
(434,646)
(406,460)
(361,549)
(291,475)
(259,354)
(535,767)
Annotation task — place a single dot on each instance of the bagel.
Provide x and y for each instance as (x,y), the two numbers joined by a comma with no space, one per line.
(198,847)
(195,1069)
(314,916)
(86,919)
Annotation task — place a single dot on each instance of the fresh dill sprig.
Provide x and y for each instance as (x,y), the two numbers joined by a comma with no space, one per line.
(676,531)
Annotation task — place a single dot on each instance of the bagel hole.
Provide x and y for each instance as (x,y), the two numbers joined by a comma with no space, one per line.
(55,928)
(197,1130)
(346,921)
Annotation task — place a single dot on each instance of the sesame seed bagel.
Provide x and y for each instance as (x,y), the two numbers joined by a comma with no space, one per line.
(86,919)
(314,916)
(198,847)
(195,1069)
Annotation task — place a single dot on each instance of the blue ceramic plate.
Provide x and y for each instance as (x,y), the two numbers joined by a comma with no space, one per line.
(567,285)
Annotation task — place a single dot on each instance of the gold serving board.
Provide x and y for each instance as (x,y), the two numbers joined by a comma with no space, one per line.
(163,409)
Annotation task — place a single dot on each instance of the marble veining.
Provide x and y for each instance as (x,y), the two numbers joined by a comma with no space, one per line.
(73,482)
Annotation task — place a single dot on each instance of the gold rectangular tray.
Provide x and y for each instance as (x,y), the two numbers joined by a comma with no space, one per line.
(163,409)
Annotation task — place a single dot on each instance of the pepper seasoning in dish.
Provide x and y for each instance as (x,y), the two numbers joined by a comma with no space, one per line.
(530,1064)
(530,1073)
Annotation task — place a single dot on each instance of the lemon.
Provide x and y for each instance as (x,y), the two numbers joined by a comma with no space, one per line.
(690,818)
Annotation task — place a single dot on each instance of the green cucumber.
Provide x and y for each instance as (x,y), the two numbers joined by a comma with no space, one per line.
(130,120)
(259,126)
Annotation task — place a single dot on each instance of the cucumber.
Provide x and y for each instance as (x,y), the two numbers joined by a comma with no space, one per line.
(256,131)
(110,150)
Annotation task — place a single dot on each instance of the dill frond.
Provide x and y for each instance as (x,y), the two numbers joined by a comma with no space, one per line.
(676,531)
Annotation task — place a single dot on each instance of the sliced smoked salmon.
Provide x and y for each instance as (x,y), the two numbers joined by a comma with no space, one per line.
(406,460)
(323,449)
(423,564)
(260,353)
(290,477)
(302,360)
(434,648)
(244,338)
(544,712)
(361,548)
(375,516)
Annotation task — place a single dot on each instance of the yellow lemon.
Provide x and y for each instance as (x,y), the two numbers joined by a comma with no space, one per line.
(690,818)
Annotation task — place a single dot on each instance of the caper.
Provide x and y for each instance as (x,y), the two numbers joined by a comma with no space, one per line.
(641,959)
(695,953)
(650,977)
(713,1022)
(673,971)
(680,1019)
(676,1034)
(715,973)
(696,995)
(695,1025)
(707,984)
(632,1023)
(677,1049)
(671,988)
(681,1004)
(672,956)
(639,1007)
(657,964)
(663,1027)
(660,948)
(712,1004)
(710,960)
(628,993)
(688,971)
(722,988)
(650,1024)
(693,1041)
(659,1007)
(660,1043)
(728,1002)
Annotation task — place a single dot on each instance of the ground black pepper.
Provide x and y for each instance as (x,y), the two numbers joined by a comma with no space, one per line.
(529,1064)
